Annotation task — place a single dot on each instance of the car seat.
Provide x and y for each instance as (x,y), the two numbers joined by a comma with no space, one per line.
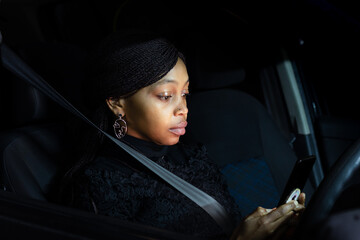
(33,147)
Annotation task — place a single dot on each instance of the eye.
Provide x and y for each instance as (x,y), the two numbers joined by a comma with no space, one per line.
(185,94)
(164,97)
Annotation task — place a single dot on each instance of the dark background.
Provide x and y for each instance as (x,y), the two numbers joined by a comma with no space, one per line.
(323,35)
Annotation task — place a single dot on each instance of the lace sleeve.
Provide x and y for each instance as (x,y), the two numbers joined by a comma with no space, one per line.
(107,193)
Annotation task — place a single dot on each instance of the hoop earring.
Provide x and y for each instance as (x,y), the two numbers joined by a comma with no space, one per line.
(120,127)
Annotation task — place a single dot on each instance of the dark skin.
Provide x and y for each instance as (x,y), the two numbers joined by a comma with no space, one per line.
(158,113)
(270,223)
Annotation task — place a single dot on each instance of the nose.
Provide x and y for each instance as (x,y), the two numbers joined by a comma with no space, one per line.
(181,109)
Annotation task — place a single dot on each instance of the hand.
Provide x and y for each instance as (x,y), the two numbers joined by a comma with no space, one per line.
(262,223)
(287,230)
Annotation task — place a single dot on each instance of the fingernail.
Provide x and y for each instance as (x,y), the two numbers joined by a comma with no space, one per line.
(294,201)
(268,210)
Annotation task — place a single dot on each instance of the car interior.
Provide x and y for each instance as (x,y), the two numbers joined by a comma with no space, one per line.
(229,111)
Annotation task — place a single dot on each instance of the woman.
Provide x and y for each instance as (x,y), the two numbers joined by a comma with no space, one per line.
(141,84)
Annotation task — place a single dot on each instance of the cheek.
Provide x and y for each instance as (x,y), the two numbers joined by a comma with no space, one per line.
(159,128)
(151,121)
(149,117)
(158,120)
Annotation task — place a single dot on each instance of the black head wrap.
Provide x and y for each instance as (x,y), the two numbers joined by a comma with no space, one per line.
(132,61)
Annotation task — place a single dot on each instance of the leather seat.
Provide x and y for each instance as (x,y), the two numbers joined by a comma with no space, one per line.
(32,151)
(31,158)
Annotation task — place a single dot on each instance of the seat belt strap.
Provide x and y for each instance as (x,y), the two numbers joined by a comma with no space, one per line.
(18,67)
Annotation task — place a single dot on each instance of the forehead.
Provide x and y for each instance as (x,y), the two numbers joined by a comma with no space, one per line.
(177,75)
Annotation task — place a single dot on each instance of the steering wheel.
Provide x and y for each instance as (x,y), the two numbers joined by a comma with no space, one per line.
(329,191)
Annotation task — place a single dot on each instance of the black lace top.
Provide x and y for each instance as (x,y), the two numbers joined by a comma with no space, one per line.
(115,184)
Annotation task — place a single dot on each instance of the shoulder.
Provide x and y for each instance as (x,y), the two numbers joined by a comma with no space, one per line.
(110,188)
(199,161)
(108,163)
(197,154)
(108,174)
(105,167)
(198,150)
(102,176)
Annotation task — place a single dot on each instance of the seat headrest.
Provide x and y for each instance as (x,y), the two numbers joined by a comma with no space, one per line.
(212,67)
(206,80)
(29,104)
(62,66)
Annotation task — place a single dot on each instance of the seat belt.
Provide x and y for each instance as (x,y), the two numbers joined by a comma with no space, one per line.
(17,66)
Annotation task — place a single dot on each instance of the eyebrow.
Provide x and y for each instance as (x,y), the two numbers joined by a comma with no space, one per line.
(165,81)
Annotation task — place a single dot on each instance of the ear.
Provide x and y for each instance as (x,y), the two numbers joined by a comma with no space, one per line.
(116,105)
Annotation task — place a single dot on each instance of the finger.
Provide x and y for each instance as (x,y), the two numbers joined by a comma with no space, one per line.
(268,210)
(282,220)
(302,198)
(292,206)
(299,207)
(268,225)
(259,212)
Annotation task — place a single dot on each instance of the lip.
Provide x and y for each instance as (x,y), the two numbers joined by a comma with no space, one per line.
(179,129)
(182,124)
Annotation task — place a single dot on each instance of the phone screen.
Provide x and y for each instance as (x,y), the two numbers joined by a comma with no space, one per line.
(297,179)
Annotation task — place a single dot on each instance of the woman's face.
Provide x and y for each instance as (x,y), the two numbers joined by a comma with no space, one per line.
(158,112)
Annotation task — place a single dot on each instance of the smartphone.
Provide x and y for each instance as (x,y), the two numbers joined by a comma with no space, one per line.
(297,179)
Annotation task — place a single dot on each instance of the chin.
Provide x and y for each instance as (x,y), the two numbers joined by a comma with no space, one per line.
(174,142)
